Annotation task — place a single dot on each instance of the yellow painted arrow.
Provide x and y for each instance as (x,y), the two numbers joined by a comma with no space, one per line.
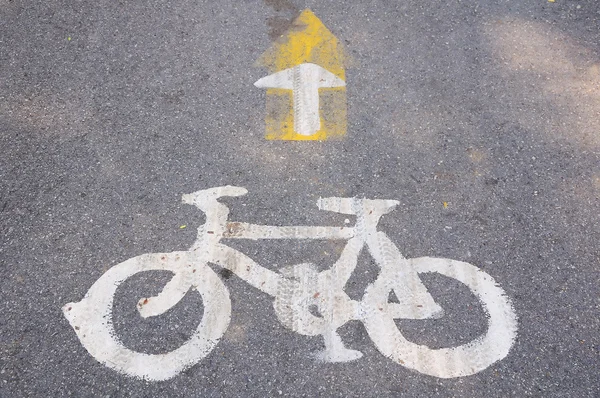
(307,51)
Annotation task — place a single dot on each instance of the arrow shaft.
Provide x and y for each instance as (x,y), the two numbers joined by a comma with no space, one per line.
(305,91)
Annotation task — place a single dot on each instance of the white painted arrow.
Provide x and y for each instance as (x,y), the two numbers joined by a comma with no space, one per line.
(304,80)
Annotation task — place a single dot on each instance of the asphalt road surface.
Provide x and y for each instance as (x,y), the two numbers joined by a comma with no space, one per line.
(482,118)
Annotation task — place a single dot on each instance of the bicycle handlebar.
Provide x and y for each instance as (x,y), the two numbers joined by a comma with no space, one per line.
(203,197)
(356,206)
(207,200)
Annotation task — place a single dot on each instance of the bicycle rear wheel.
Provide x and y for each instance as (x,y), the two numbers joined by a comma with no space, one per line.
(92,317)
(463,360)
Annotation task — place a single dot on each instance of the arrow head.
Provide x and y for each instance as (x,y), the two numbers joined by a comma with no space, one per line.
(307,41)
(290,78)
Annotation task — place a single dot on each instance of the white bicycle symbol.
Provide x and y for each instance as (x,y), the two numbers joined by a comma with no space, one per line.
(297,290)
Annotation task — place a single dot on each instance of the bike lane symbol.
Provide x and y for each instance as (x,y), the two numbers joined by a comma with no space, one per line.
(295,290)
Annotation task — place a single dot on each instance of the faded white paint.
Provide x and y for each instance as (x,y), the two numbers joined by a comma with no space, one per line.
(92,317)
(304,80)
(306,301)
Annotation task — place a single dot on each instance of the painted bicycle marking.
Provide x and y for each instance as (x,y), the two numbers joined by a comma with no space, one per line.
(296,290)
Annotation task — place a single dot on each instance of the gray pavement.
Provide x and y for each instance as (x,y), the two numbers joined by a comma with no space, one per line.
(481,117)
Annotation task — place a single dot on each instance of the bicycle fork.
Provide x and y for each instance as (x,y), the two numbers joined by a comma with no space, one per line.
(414,302)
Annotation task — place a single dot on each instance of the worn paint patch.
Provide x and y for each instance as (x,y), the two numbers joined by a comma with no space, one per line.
(306,42)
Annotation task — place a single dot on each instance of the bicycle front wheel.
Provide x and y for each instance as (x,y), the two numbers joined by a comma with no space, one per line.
(463,360)
(92,317)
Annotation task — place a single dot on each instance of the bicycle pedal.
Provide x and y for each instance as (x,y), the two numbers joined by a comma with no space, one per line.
(338,355)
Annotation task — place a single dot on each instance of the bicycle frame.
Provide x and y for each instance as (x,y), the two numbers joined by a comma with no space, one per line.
(217,227)
(307,287)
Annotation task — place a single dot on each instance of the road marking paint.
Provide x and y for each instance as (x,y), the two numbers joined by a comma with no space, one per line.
(91,318)
(306,94)
(304,80)
(307,301)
